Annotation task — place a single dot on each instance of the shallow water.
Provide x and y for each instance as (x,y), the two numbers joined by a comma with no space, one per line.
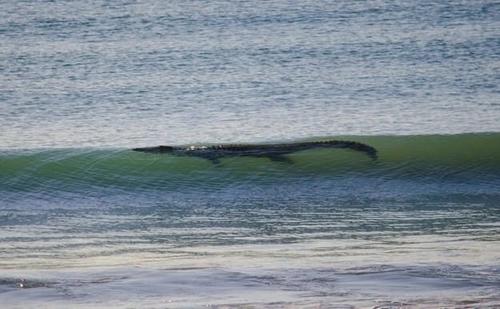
(85,222)
(111,228)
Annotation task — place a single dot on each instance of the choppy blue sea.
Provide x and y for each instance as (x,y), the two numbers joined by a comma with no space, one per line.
(85,222)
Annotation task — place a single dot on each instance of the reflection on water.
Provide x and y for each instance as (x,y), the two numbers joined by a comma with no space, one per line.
(368,286)
(217,230)
(87,231)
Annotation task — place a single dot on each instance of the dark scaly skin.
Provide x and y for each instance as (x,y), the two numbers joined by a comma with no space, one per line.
(275,152)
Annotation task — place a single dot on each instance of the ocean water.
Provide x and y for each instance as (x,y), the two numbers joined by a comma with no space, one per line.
(85,222)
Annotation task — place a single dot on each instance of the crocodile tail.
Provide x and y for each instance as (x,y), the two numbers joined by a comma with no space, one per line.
(357,146)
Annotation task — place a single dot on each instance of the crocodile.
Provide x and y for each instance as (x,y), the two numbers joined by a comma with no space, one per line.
(275,152)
